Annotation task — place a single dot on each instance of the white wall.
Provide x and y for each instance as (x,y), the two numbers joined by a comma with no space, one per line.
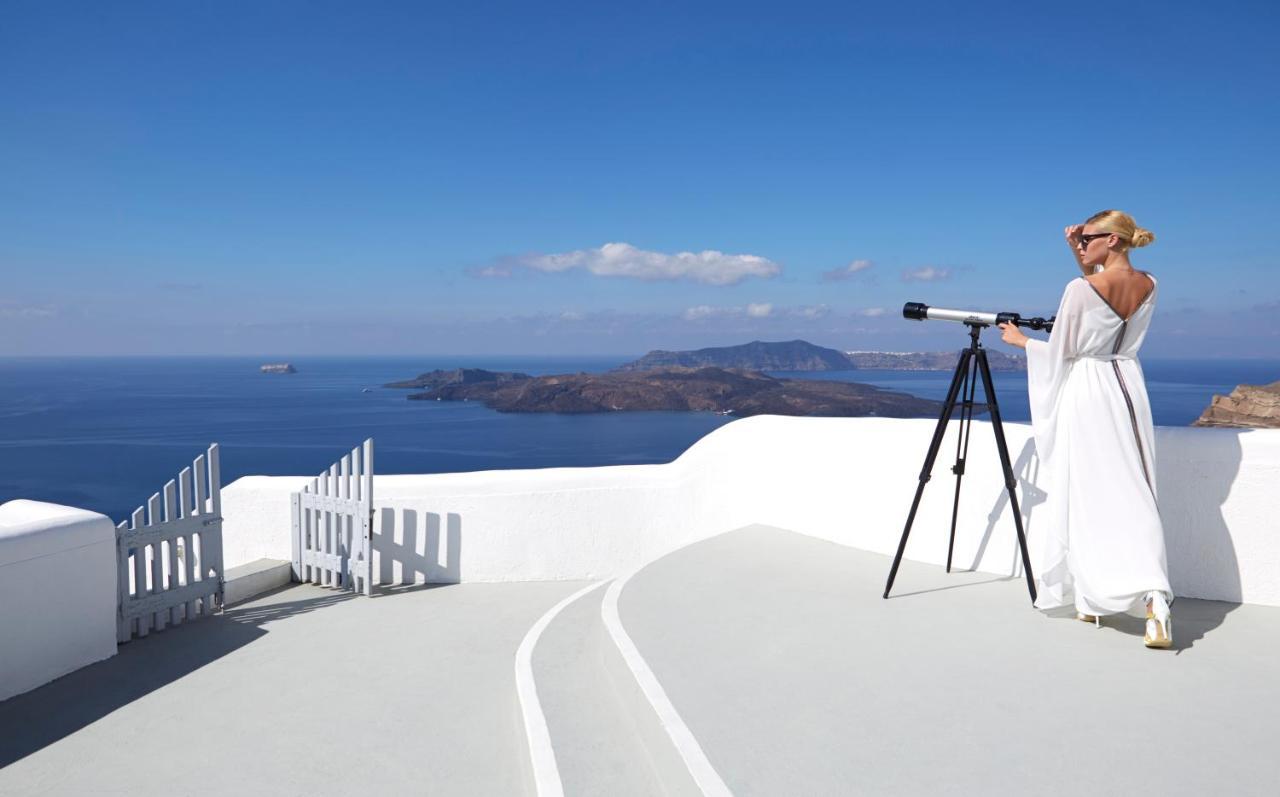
(57,592)
(852,481)
(849,480)
(554,523)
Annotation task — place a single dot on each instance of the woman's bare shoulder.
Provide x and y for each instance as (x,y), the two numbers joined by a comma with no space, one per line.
(1098,280)
(1104,281)
(1106,277)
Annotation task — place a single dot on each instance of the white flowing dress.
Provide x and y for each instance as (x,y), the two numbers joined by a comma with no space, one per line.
(1104,546)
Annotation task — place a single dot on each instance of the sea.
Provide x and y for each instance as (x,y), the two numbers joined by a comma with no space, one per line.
(105,433)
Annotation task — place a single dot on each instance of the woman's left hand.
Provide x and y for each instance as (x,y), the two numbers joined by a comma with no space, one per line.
(1013,336)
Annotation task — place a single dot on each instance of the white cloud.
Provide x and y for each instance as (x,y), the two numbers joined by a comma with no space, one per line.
(624,260)
(704,311)
(811,312)
(872,312)
(15,310)
(926,274)
(569,315)
(845,272)
(756,310)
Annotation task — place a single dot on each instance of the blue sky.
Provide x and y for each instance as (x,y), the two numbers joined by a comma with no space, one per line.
(369,178)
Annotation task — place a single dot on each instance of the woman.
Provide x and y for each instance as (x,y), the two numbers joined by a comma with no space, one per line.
(1105,547)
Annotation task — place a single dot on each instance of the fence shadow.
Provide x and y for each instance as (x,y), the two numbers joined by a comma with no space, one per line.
(36,719)
(422,552)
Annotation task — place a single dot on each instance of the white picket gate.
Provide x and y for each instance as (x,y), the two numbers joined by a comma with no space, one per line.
(169,554)
(333,525)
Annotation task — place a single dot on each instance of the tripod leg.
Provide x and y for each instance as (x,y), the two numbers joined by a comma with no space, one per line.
(1011,483)
(962,370)
(962,452)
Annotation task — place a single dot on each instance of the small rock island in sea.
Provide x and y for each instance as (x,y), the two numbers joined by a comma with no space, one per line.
(278,368)
(1254,406)
(727,380)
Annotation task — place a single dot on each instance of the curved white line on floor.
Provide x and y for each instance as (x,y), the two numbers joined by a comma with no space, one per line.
(704,774)
(546,775)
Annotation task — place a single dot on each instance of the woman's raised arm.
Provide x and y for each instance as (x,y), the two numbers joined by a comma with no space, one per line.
(1073,233)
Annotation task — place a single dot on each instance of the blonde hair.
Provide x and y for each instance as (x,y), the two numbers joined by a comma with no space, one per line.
(1123,225)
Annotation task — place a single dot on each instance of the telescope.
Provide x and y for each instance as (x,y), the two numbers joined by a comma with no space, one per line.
(918,311)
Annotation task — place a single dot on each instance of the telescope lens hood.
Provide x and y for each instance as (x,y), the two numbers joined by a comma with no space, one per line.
(916,311)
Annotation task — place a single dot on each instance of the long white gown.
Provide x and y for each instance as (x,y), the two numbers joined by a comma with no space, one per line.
(1104,547)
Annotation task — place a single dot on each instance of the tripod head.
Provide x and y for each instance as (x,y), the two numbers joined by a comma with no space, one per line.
(918,311)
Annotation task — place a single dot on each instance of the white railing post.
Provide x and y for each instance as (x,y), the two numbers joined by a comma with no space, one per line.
(122,583)
(333,524)
(167,582)
(366,495)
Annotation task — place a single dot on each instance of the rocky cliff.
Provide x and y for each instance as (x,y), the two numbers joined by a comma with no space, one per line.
(1248,405)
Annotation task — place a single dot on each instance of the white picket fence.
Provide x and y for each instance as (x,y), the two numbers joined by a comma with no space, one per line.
(169,554)
(333,524)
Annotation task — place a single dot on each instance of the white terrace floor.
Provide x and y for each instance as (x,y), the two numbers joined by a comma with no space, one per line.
(776,649)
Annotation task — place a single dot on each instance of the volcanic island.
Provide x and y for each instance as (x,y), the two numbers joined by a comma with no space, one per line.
(720,381)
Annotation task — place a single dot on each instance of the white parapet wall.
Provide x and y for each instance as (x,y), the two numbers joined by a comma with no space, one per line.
(849,480)
(852,480)
(57,592)
(519,525)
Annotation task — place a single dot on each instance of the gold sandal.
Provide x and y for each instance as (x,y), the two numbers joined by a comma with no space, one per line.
(1090,618)
(1159,623)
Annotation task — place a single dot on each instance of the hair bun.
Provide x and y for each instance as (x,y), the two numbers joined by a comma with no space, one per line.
(1141,237)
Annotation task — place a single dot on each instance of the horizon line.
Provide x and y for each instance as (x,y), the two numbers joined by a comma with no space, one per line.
(267,358)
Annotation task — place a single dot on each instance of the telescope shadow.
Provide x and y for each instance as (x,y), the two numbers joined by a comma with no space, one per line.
(956,586)
(1026,469)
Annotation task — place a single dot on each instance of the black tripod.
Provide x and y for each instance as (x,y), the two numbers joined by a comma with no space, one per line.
(966,377)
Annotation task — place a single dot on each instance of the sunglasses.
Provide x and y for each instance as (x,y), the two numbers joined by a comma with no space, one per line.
(1086,239)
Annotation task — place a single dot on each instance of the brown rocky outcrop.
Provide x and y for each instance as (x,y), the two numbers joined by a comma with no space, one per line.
(1255,406)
